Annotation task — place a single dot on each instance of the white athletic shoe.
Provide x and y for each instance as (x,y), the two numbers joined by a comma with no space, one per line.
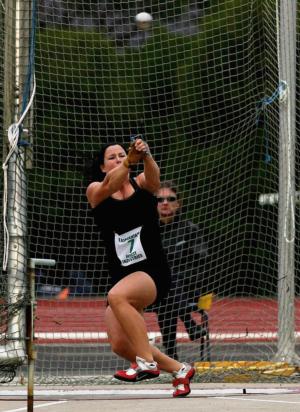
(182,380)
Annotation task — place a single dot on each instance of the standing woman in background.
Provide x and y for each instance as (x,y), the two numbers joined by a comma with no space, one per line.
(125,210)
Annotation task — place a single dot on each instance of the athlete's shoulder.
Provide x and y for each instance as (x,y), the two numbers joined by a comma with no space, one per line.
(92,187)
(92,193)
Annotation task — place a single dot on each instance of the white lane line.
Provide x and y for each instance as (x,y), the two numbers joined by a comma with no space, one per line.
(35,406)
(255,400)
(137,391)
(156,335)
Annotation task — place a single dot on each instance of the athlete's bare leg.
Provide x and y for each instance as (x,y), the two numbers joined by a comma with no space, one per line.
(127,299)
(122,346)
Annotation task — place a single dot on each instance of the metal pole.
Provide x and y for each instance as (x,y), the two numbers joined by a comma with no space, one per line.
(286,219)
(17,29)
(14,351)
(31,352)
(30,316)
(9,72)
(17,255)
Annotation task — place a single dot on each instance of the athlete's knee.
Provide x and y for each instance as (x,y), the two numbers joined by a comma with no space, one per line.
(116,298)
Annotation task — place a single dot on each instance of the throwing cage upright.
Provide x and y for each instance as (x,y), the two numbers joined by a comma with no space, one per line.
(216,101)
(17,86)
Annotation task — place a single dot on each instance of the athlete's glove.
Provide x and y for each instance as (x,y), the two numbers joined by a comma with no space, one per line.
(133,156)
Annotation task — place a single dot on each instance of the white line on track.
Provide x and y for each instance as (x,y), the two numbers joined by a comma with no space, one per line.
(254,400)
(138,392)
(43,405)
(154,335)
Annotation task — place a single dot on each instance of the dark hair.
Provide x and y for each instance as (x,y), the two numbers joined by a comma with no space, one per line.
(92,170)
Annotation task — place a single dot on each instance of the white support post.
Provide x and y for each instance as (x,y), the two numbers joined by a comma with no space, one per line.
(286,220)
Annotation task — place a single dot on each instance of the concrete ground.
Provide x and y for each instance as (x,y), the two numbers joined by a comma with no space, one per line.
(155,397)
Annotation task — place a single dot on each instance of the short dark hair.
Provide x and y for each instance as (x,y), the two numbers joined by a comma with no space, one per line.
(92,169)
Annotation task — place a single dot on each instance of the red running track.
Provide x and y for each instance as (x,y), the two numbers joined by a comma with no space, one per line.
(82,320)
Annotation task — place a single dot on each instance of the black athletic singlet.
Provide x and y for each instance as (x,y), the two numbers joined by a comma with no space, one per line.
(131,233)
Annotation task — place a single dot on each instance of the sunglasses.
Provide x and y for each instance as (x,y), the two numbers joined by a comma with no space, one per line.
(168,199)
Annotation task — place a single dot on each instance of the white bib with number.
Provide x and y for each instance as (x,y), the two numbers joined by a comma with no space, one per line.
(129,247)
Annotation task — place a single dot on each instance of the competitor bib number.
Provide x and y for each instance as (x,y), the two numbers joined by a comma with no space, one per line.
(129,247)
